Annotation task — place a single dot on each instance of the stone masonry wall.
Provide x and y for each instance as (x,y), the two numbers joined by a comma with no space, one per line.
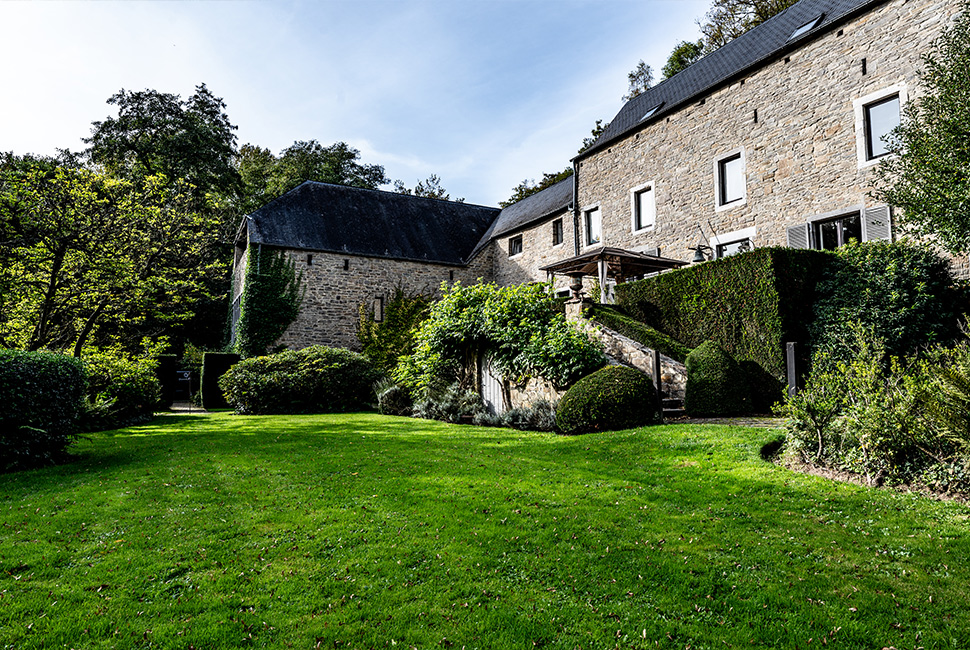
(800,155)
(537,251)
(337,284)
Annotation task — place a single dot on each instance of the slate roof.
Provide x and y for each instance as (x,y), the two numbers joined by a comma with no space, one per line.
(749,51)
(336,218)
(540,205)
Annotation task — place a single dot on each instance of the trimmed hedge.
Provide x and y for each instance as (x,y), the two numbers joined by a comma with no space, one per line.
(750,304)
(614,397)
(165,372)
(639,332)
(214,366)
(716,384)
(313,380)
(41,397)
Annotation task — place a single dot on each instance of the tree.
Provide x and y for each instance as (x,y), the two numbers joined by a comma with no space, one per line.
(89,258)
(640,79)
(188,141)
(927,173)
(594,135)
(529,187)
(728,19)
(684,55)
(430,188)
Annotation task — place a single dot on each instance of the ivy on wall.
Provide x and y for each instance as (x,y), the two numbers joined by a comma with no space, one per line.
(271,299)
(385,341)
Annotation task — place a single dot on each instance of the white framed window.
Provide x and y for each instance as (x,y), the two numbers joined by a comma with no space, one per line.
(643,207)
(593,226)
(515,245)
(830,230)
(732,243)
(557,233)
(729,180)
(876,115)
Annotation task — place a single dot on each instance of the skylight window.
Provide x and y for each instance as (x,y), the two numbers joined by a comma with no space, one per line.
(806,27)
(651,111)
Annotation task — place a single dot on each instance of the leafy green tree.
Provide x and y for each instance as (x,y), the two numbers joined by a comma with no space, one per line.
(639,79)
(529,187)
(594,135)
(685,54)
(430,188)
(93,258)
(728,19)
(927,173)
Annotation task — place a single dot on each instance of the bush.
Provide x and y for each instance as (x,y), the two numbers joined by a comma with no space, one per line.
(902,293)
(716,385)
(40,402)
(453,404)
(165,373)
(640,332)
(387,340)
(122,390)
(392,398)
(313,380)
(540,416)
(214,366)
(614,397)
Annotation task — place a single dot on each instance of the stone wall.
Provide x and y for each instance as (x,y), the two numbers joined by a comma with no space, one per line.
(537,251)
(338,284)
(800,153)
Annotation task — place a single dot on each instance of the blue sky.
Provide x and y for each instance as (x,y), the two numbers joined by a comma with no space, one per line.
(484,93)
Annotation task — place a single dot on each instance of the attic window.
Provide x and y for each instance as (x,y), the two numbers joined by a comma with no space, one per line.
(806,27)
(651,111)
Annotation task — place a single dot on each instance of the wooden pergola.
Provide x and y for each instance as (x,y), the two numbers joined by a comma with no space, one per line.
(615,263)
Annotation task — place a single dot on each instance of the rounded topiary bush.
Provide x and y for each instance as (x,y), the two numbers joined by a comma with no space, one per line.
(313,380)
(716,384)
(614,397)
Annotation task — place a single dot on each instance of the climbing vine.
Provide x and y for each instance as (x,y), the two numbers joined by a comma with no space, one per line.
(272,294)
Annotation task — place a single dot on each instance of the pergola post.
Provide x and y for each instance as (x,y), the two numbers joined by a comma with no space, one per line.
(604,294)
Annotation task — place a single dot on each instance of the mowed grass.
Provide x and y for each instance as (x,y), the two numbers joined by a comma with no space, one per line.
(364,531)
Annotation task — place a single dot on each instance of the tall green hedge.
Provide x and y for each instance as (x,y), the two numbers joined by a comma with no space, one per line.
(750,304)
(41,396)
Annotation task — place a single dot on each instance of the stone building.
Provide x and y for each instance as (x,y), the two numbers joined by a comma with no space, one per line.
(770,140)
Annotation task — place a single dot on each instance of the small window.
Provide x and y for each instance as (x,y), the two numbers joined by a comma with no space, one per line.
(515,246)
(728,249)
(880,119)
(594,226)
(557,232)
(644,208)
(730,179)
(652,111)
(832,233)
(309,260)
(806,27)
(378,309)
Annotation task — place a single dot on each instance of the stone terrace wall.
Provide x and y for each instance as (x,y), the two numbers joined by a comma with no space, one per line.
(337,284)
(800,154)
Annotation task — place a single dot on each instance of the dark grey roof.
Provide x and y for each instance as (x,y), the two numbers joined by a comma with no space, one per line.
(749,51)
(337,218)
(540,205)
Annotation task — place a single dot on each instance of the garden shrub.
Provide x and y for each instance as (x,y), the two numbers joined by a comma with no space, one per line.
(41,397)
(313,380)
(521,327)
(165,373)
(214,366)
(392,398)
(451,404)
(716,385)
(539,416)
(614,397)
(903,293)
(122,390)
(387,340)
(642,333)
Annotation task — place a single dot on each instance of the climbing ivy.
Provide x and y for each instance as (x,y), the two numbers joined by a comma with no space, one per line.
(271,299)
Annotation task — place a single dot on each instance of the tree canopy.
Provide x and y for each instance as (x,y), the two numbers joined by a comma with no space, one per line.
(927,171)
(683,56)
(639,80)
(429,188)
(728,19)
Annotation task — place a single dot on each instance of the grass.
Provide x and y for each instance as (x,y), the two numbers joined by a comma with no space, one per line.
(360,531)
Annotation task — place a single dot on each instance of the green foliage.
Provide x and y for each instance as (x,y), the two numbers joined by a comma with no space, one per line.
(684,54)
(392,398)
(728,19)
(520,326)
(122,390)
(749,304)
(716,385)
(40,402)
(386,341)
(214,366)
(947,396)
(271,299)
(529,187)
(594,135)
(429,188)
(313,380)
(903,293)
(453,404)
(614,397)
(642,333)
(639,80)
(926,175)
(540,416)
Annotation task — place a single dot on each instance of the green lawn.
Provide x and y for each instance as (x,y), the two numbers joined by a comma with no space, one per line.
(363,531)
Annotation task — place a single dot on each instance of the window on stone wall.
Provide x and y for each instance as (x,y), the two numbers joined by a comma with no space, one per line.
(880,117)
(557,237)
(515,245)
(594,226)
(728,249)
(832,233)
(644,207)
(729,173)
